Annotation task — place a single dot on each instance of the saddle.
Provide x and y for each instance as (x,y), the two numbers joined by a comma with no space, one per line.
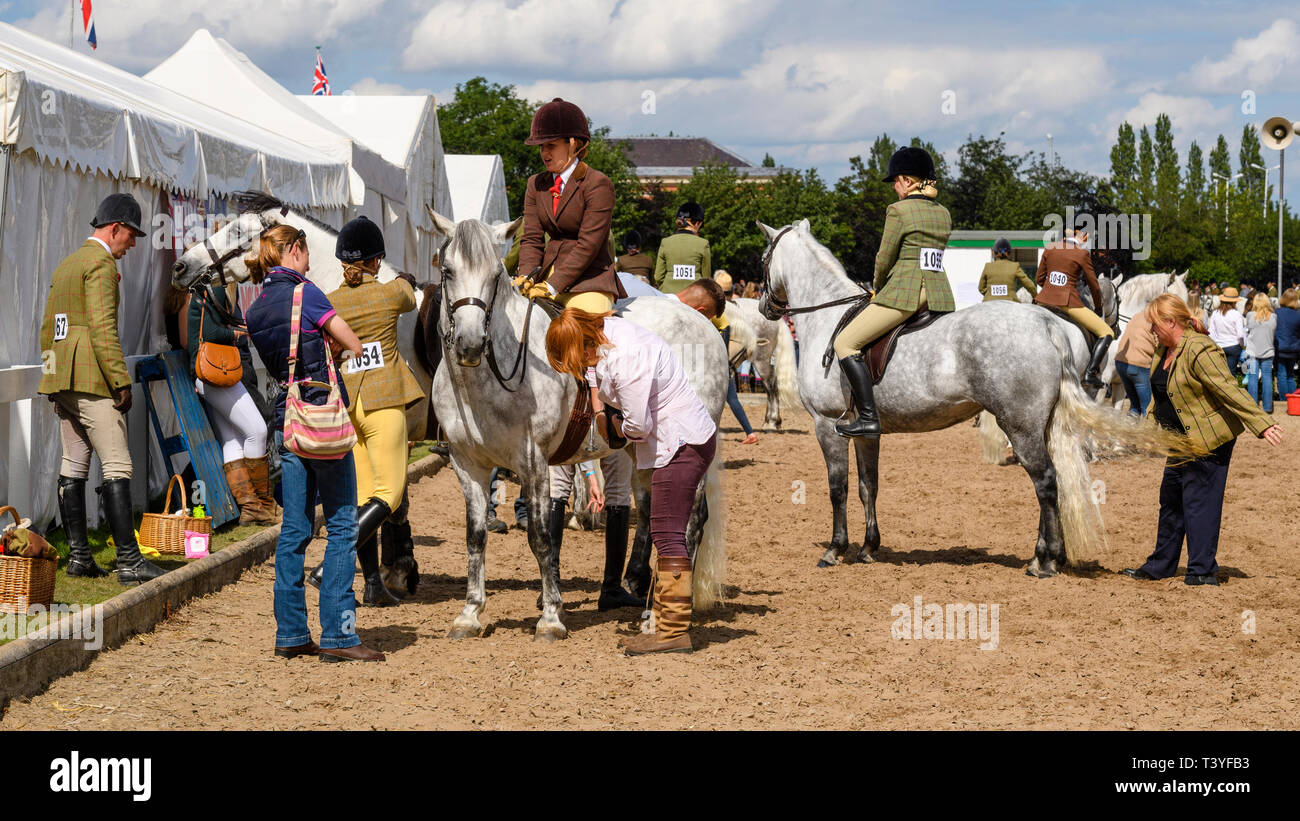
(1089,338)
(880,351)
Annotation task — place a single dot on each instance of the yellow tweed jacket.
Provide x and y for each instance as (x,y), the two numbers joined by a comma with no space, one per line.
(1009,275)
(371,310)
(1212,406)
(82,309)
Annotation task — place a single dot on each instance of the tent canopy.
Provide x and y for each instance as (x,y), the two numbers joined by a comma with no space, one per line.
(478,187)
(211,70)
(71,109)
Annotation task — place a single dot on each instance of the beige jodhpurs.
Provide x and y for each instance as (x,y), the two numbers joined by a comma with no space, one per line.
(89,422)
(870,325)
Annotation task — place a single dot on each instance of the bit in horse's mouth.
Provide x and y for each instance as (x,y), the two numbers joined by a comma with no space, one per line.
(468,363)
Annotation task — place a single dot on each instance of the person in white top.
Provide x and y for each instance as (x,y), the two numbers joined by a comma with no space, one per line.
(1227,327)
(640,394)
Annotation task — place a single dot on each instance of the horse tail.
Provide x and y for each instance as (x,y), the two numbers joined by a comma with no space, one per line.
(1079,427)
(993,441)
(785,369)
(710,577)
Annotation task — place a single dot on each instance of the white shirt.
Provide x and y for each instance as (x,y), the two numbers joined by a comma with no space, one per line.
(566,173)
(635,288)
(103,244)
(1227,328)
(639,374)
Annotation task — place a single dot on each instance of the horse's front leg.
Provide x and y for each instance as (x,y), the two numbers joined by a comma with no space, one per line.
(535,484)
(772,421)
(637,574)
(867,452)
(836,453)
(474,484)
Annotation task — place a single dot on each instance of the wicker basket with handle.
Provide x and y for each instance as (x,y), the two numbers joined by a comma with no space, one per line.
(165,532)
(24,582)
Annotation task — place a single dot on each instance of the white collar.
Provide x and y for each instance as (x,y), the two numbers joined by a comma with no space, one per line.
(1075,240)
(568,172)
(103,244)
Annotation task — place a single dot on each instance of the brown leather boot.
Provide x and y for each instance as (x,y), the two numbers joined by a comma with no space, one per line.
(672,611)
(241,487)
(259,472)
(358,653)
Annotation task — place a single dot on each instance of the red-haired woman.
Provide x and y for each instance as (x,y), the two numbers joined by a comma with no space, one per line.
(641,395)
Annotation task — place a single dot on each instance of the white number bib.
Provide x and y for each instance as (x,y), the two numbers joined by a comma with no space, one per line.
(931,259)
(683,272)
(372,358)
(60,327)
(997,290)
(1058,278)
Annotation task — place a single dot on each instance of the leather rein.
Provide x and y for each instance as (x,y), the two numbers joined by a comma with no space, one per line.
(520,365)
(784,307)
(218,264)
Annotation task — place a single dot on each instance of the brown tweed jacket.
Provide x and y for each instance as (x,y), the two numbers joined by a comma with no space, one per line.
(1212,406)
(913,224)
(578,256)
(371,310)
(1072,261)
(82,308)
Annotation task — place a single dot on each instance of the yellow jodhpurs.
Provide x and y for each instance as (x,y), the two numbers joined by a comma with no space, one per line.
(870,325)
(1089,321)
(593,302)
(380,454)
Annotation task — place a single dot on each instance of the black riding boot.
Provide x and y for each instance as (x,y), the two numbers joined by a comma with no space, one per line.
(72,510)
(396,547)
(612,594)
(370,517)
(556,515)
(867,424)
(1092,378)
(132,568)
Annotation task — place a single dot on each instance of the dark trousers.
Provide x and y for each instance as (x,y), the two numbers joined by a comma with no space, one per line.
(672,496)
(1233,354)
(1191,506)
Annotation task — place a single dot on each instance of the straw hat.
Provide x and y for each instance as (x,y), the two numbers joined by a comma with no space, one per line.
(1229,295)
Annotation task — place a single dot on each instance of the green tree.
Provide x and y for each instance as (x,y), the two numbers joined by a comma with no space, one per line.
(1146,171)
(1252,161)
(1194,185)
(987,193)
(1123,168)
(488,118)
(768,161)
(1167,173)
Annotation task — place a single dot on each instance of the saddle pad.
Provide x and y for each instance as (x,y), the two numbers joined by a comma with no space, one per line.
(882,349)
(579,424)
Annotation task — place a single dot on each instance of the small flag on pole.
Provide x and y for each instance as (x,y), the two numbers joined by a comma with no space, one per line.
(88,23)
(320,83)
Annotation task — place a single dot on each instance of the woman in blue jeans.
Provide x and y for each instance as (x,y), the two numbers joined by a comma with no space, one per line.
(280,266)
(1133,362)
(1287,341)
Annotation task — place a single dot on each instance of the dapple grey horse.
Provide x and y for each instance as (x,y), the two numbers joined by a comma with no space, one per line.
(513,410)
(1017,361)
(770,347)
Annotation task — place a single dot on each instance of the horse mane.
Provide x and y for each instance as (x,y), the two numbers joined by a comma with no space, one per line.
(1145,287)
(258,201)
(473,240)
(829,260)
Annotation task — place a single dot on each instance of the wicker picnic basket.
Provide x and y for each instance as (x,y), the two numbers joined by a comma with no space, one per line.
(24,582)
(165,532)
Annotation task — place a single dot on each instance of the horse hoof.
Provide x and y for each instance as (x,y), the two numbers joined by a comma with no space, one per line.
(824,563)
(1040,572)
(863,557)
(550,634)
(465,631)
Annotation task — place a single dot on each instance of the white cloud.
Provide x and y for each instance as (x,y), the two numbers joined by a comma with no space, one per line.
(369,85)
(583,37)
(1190,116)
(1254,62)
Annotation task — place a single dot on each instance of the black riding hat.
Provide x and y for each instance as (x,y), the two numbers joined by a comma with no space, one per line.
(359,241)
(632,239)
(912,161)
(692,211)
(118,208)
(1002,246)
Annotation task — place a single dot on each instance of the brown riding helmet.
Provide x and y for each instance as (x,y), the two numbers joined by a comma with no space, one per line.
(558,120)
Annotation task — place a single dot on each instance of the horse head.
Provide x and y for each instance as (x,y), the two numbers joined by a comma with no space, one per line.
(775,300)
(474,279)
(222,253)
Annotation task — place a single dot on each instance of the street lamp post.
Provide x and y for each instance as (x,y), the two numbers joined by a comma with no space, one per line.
(1264,199)
(1227,204)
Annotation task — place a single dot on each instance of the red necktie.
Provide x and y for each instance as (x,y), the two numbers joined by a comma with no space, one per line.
(555,194)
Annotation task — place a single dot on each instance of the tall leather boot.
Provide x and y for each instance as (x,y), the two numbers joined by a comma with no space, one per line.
(612,594)
(1092,379)
(370,517)
(132,568)
(555,518)
(241,487)
(672,608)
(72,511)
(396,549)
(867,424)
(259,473)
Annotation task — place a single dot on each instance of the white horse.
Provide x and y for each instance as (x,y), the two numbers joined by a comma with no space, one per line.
(769,345)
(515,411)
(1134,296)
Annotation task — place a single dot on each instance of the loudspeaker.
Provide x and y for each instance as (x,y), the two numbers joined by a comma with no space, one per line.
(1278,132)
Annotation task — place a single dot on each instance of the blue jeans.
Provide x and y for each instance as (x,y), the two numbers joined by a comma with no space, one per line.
(733,402)
(521,507)
(1286,375)
(1137,385)
(336,480)
(1260,378)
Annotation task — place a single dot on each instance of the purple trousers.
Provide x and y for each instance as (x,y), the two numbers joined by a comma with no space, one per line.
(672,496)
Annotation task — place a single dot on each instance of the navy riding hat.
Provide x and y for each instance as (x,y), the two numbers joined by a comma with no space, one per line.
(118,208)
(912,161)
(359,241)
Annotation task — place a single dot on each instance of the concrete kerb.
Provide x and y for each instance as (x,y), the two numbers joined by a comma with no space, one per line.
(28,664)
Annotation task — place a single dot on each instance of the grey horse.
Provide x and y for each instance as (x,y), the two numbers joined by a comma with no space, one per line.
(768,344)
(513,410)
(1019,362)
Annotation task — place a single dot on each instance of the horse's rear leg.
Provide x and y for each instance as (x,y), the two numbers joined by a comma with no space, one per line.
(867,452)
(835,450)
(474,484)
(637,575)
(1029,439)
(535,485)
(772,421)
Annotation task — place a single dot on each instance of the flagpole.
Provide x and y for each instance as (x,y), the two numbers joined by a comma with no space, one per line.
(72,21)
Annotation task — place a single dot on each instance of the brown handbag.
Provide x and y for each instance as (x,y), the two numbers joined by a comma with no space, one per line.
(215,363)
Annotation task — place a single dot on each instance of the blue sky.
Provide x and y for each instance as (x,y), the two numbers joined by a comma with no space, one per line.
(810,82)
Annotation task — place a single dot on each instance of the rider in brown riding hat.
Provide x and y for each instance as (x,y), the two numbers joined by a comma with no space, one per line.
(1059,271)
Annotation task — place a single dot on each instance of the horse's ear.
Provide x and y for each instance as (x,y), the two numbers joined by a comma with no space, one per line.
(503,231)
(1117,280)
(444,225)
(767,229)
(1182,278)
(805,226)
(1172,275)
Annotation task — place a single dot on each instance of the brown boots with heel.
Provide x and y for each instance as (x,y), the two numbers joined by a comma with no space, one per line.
(250,484)
(672,609)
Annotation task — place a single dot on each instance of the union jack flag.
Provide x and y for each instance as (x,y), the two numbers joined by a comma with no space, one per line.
(88,23)
(320,83)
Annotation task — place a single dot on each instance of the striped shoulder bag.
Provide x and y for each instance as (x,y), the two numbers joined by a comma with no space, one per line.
(314,431)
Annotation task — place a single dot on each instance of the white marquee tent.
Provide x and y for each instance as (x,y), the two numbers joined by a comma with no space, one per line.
(478,187)
(73,130)
(404,130)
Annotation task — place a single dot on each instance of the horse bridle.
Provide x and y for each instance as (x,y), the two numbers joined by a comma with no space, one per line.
(784,306)
(487,307)
(218,265)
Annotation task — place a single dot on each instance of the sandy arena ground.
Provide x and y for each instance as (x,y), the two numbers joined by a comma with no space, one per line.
(798,647)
